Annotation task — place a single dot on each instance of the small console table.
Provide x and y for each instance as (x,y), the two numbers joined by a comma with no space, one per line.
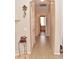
(23,42)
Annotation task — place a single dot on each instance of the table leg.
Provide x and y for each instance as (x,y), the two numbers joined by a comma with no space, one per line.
(25,50)
(19,49)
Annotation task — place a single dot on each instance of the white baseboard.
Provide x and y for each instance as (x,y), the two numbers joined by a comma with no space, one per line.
(56,53)
(29,52)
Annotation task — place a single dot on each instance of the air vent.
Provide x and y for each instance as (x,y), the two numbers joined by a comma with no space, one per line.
(43,5)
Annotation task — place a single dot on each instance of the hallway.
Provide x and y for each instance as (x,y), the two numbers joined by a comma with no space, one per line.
(42,16)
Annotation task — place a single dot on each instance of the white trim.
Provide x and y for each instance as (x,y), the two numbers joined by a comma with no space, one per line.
(56,53)
(29,52)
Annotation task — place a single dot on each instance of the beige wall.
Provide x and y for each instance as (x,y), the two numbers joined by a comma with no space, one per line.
(48,24)
(32,24)
(52,25)
(56,26)
(23,25)
(37,23)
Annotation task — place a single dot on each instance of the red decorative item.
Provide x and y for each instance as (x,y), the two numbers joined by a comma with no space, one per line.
(23,39)
(23,42)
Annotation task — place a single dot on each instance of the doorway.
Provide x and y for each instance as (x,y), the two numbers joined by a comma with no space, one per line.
(43,24)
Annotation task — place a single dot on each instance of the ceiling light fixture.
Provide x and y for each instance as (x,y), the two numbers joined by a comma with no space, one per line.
(42,0)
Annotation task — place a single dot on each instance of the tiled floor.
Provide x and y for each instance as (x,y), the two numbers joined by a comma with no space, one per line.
(42,50)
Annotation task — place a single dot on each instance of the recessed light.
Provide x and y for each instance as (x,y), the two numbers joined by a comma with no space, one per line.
(42,0)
